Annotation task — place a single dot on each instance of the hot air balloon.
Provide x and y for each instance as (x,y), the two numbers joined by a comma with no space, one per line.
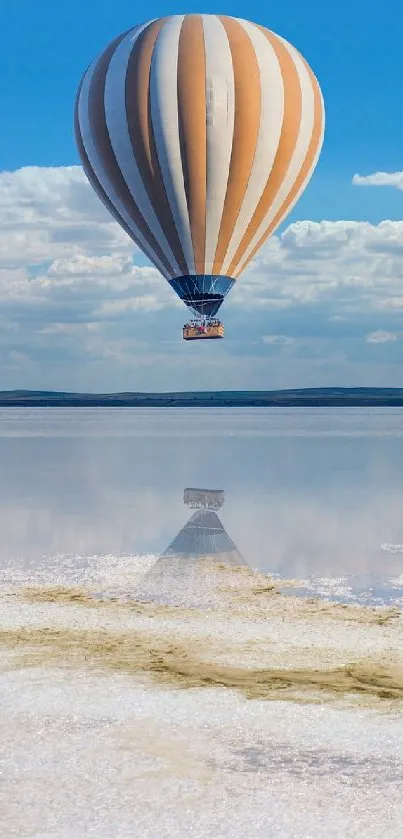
(199,133)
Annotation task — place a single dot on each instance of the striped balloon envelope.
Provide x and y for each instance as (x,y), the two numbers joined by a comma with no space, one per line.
(199,133)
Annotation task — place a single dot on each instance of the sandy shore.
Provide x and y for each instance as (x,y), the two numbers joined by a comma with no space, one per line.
(125,716)
(249,637)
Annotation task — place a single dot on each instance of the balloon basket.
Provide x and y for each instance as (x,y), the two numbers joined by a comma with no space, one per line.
(203,499)
(206,330)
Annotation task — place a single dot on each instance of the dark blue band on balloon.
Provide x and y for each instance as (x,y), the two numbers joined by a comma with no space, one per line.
(203,293)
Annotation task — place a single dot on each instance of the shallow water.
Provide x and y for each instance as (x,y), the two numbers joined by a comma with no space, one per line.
(158,675)
(309,495)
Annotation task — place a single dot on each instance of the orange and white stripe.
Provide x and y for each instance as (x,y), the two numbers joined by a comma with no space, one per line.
(199,133)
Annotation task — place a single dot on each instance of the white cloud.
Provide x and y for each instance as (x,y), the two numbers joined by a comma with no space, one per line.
(83,265)
(353,266)
(48,213)
(277,340)
(394,179)
(380,337)
(145,303)
(76,311)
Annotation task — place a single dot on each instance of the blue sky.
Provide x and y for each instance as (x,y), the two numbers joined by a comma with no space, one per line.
(355,50)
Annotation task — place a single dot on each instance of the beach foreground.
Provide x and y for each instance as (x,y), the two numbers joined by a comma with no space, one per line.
(219,702)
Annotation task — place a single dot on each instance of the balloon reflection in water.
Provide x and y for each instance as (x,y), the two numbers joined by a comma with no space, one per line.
(182,570)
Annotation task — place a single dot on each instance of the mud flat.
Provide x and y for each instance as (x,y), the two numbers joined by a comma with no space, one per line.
(249,638)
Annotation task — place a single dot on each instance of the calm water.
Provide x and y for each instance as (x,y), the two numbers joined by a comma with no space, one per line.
(309,495)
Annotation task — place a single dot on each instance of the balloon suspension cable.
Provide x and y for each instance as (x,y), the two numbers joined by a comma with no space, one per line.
(201,318)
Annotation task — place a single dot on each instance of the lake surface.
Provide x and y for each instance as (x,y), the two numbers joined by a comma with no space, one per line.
(311,495)
(154,682)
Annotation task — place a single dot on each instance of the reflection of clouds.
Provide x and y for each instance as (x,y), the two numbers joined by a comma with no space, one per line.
(112,525)
(297,503)
(83,500)
(294,535)
(298,535)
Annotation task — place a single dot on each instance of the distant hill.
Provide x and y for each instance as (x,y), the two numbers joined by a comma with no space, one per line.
(304,397)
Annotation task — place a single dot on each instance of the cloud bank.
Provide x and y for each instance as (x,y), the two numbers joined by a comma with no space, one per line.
(82,310)
(394,179)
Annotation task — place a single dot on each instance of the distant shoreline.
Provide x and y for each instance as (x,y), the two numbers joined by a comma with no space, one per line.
(293,398)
